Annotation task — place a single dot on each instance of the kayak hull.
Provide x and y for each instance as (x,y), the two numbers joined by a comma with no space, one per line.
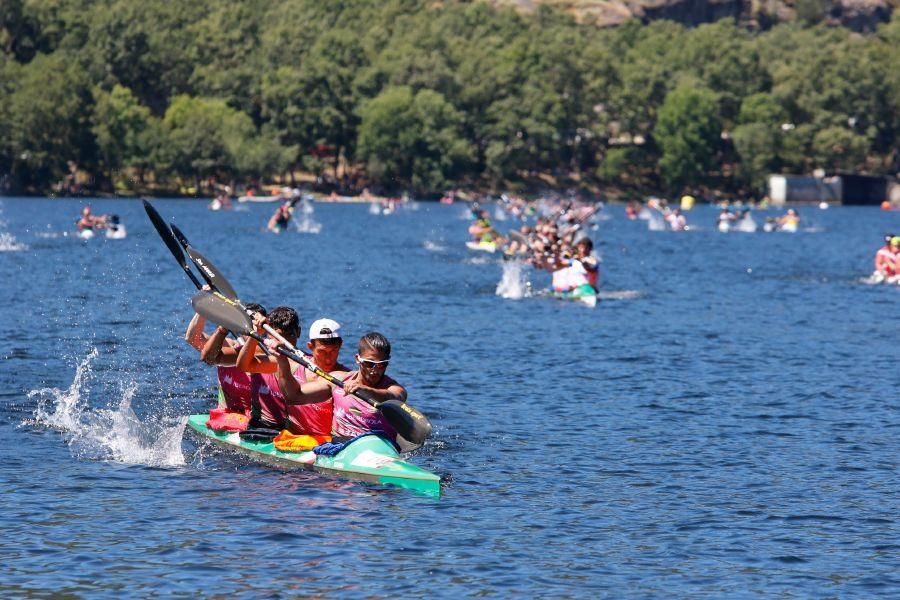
(369,458)
(583,294)
(482,246)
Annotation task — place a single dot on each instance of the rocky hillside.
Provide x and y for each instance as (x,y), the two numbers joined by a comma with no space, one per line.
(858,15)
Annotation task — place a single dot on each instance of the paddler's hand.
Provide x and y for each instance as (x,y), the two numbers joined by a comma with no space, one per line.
(258,322)
(352,384)
(273,345)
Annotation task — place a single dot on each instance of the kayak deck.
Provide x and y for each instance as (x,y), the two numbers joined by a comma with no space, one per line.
(584,294)
(369,458)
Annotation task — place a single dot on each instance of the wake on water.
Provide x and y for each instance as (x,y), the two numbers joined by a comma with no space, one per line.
(114,434)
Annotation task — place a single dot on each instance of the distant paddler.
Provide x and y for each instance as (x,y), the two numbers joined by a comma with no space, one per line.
(89,222)
(887,261)
(790,222)
(281,218)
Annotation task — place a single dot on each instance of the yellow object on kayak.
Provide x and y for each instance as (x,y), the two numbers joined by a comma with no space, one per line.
(289,442)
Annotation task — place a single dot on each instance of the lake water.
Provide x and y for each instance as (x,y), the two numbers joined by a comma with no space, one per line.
(725,423)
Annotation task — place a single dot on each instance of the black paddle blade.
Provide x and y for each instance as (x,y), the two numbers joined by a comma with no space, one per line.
(166,234)
(409,423)
(209,271)
(222,313)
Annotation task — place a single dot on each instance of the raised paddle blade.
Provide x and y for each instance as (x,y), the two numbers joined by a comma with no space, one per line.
(517,236)
(209,272)
(409,423)
(166,234)
(222,313)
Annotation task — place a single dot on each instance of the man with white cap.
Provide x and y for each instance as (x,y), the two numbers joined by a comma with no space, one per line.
(325,344)
(313,418)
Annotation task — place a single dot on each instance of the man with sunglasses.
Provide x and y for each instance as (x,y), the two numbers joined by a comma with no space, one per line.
(352,416)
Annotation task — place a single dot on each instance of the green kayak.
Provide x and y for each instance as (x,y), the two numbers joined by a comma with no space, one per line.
(585,294)
(369,458)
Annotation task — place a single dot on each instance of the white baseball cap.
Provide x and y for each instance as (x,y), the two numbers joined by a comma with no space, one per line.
(325,329)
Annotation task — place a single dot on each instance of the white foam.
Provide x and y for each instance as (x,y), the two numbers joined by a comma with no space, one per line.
(8,243)
(514,284)
(433,246)
(115,434)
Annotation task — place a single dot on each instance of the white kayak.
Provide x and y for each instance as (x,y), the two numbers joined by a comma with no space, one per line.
(261,198)
(116,232)
(878,278)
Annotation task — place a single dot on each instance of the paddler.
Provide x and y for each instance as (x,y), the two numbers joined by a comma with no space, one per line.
(312,418)
(281,218)
(584,253)
(218,350)
(266,392)
(790,221)
(676,220)
(481,230)
(352,416)
(885,258)
(89,221)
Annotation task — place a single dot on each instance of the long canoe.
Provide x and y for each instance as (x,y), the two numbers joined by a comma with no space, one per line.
(369,458)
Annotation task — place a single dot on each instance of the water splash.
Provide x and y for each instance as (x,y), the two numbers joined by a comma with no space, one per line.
(745,225)
(513,284)
(499,213)
(8,243)
(306,223)
(655,221)
(114,434)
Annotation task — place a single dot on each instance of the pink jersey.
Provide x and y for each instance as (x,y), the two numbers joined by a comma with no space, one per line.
(235,385)
(266,391)
(309,419)
(353,416)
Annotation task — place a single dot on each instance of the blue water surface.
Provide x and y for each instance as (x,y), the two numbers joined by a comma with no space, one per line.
(724,424)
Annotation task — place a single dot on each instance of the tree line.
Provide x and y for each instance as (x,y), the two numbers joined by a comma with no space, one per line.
(425,96)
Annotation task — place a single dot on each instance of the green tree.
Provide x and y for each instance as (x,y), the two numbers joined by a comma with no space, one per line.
(688,132)
(412,140)
(119,127)
(48,120)
(209,138)
(839,149)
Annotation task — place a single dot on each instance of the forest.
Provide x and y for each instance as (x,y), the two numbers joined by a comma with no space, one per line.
(151,96)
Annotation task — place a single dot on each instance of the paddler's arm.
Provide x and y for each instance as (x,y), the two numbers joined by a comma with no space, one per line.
(393,392)
(249,362)
(194,334)
(215,353)
(294,393)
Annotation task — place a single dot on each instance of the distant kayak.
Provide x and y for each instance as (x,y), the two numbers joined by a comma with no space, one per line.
(368,458)
(275,198)
(878,278)
(584,294)
(482,246)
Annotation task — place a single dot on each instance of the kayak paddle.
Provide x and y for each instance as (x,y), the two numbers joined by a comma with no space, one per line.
(212,275)
(409,422)
(170,241)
